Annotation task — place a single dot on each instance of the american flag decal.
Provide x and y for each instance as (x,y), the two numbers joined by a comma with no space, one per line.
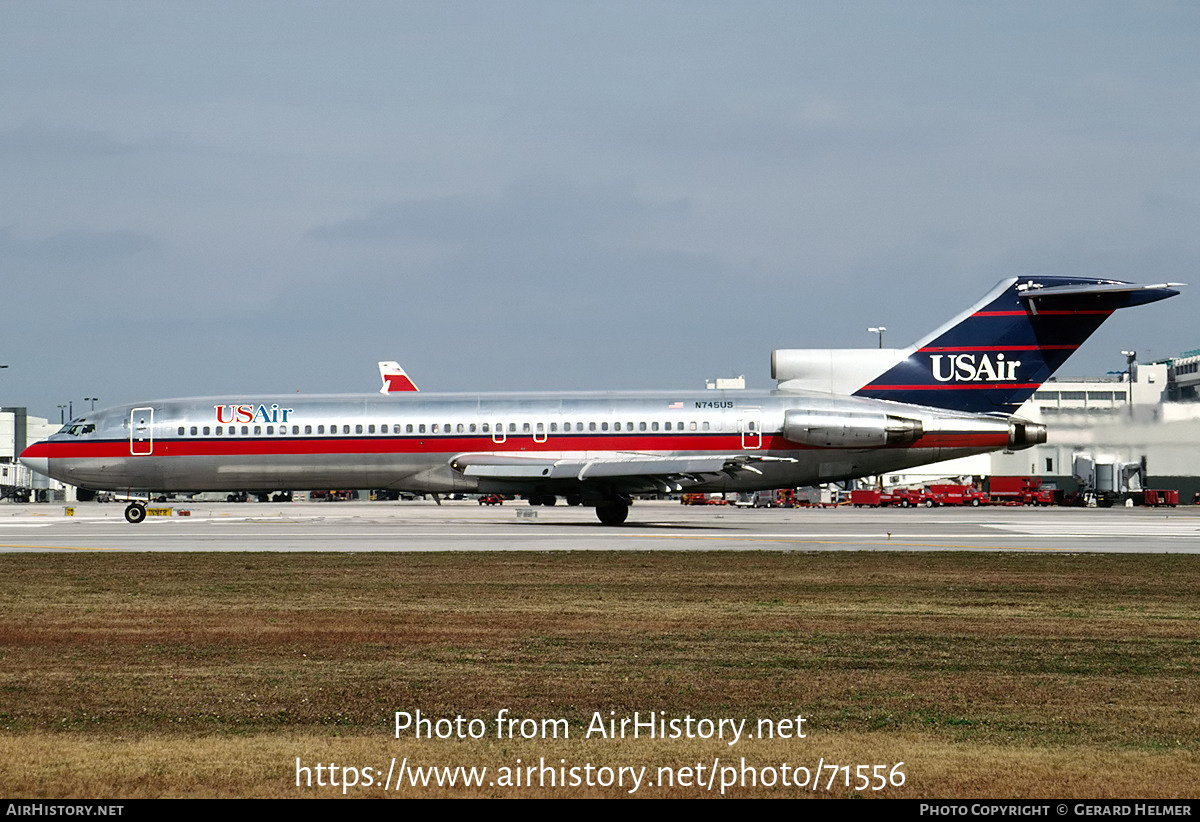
(675,405)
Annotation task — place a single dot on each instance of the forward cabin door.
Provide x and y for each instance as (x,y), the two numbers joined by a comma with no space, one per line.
(141,431)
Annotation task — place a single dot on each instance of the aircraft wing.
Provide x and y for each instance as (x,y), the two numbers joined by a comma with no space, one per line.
(631,467)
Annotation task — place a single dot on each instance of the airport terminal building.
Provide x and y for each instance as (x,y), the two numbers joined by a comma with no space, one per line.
(18,429)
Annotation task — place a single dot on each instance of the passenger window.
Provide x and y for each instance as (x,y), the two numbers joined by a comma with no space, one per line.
(641,426)
(180,431)
(616,426)
(408,428)
(525,428)
(704,425)
(370,429)
(653,426)
(220,430)
(485,428)
(206,430)
(591,426)
(692,426)
(358,429)
(472,428)
(257,429)
(553,428)
(320,429)
(346,429)
(461,428)
(603,426)
(421,428)
(295,429)
(270,429)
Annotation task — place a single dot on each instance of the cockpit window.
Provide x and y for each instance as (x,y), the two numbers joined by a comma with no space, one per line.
(78,428)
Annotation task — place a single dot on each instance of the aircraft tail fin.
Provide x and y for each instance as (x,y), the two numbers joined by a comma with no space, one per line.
(990,358)
(995,355)
(394,378)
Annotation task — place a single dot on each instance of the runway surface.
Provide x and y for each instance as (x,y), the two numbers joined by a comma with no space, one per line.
(652,526)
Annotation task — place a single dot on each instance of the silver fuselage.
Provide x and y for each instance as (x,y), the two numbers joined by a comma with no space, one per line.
(413,442)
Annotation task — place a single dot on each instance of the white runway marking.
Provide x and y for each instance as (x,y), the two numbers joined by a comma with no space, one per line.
(1107,529)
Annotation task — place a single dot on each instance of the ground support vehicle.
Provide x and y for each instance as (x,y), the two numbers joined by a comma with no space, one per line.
(1018,491)
(947,494)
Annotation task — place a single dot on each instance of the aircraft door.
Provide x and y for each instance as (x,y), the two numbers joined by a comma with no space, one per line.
(539,432)
(498,435)
(141,431)
(751,433)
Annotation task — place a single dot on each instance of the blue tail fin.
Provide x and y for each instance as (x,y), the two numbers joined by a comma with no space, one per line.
(996,354)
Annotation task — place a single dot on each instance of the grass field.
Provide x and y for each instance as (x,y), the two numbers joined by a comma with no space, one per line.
(986,674)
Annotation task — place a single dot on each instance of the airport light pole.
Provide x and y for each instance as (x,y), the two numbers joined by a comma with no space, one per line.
(878,330)
(61,409)
(93,401)
(1130,359)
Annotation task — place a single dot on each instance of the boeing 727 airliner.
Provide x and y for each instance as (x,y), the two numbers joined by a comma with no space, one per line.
(834,415)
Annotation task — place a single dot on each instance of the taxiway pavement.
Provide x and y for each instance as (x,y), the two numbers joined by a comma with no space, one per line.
(652,526)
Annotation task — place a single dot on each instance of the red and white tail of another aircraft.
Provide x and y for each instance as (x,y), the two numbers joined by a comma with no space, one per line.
(394,379)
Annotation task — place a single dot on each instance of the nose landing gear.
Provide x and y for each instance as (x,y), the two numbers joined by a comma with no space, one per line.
(135,512)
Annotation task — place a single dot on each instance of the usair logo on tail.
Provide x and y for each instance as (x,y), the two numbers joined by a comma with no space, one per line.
(969,368)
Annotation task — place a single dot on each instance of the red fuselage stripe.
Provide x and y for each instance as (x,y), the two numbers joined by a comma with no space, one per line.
(1039,314)
(1000,348)
(950,386)
(513,445)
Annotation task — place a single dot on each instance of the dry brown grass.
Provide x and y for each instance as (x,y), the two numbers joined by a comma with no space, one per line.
(988,674)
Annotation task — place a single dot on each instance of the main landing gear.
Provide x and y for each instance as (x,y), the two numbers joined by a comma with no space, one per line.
(135,512)
(613,512)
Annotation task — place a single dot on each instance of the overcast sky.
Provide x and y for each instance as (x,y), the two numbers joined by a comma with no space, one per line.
(213,198)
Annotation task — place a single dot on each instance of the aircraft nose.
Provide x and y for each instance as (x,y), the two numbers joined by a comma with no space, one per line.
(32,459)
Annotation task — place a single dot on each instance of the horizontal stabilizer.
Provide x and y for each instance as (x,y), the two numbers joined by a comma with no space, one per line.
(1081,296)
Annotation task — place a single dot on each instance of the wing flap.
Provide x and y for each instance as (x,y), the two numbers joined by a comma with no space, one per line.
(581,468)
